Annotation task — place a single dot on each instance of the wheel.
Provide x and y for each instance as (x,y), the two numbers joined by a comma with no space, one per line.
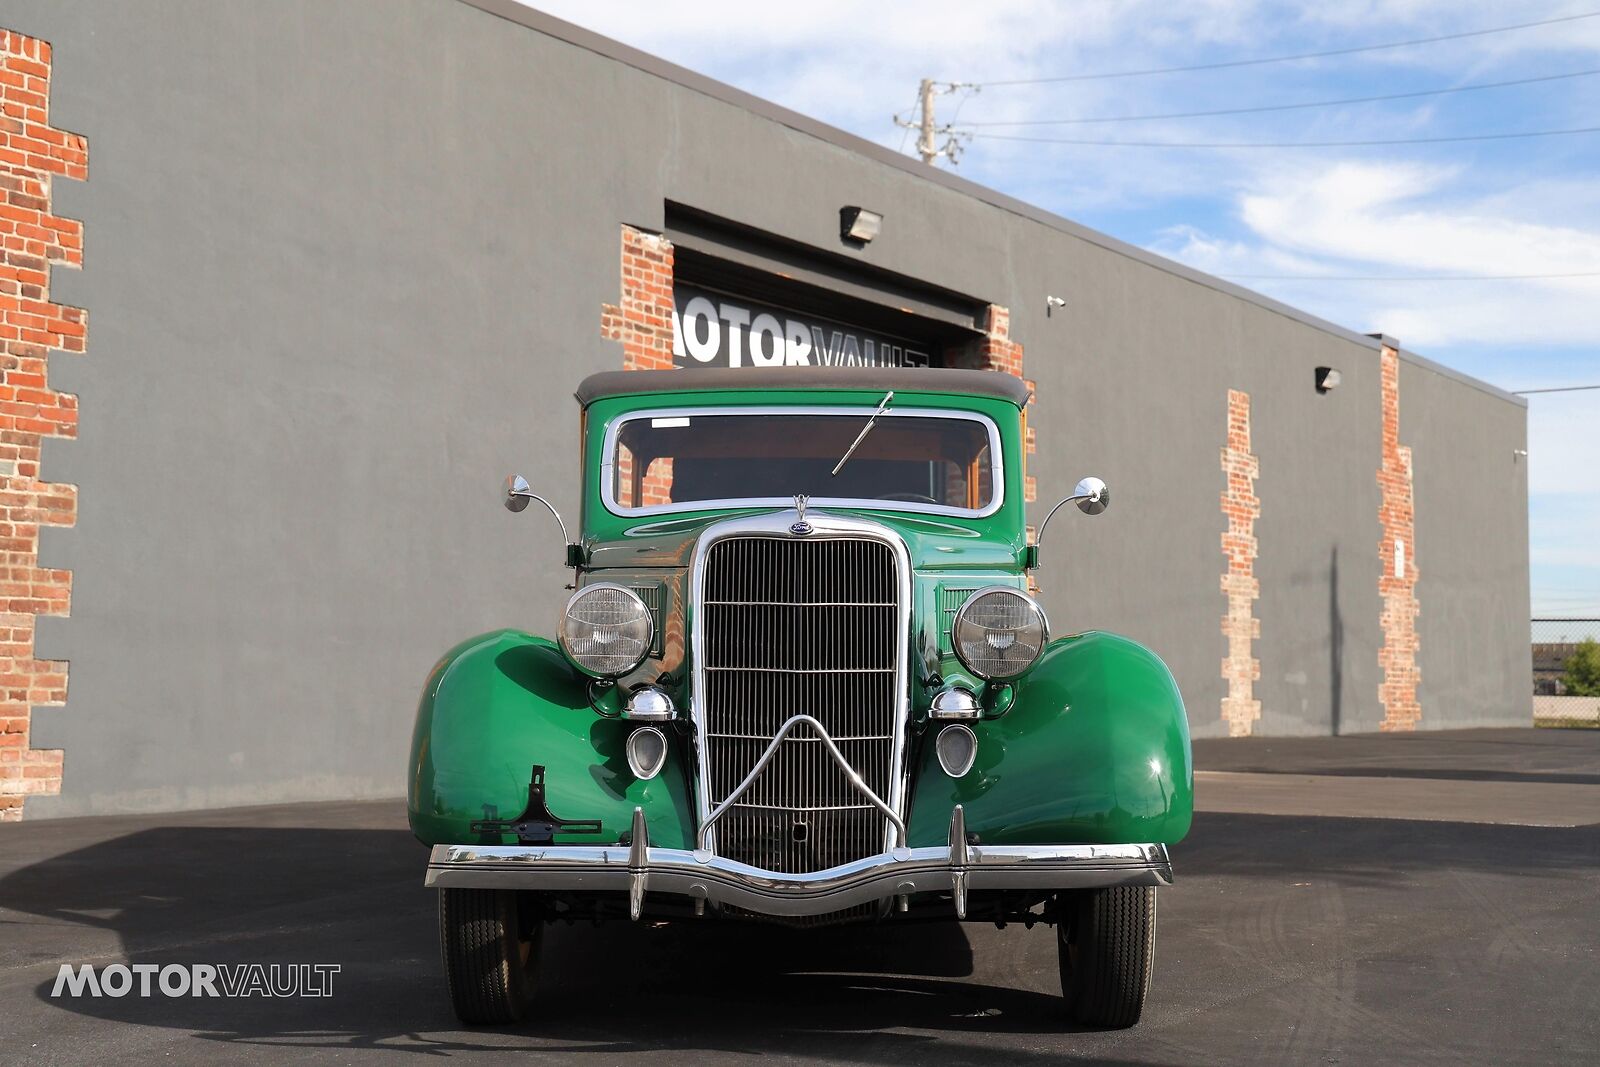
(490,942)
(1107,943)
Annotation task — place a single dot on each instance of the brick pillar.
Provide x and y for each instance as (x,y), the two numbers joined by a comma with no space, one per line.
(999,352)
(1240,669)
(32,153)
(642,321)
(1397,580)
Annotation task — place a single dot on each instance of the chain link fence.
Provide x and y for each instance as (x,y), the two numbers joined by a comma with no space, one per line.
(1555,702)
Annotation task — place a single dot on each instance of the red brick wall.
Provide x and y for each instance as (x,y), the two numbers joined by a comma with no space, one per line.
(32,154)
(1397,580)
(999,352)
(642,321)
(1240,668)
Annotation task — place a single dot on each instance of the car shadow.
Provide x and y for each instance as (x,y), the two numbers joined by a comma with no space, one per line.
(351,895)
(240,895)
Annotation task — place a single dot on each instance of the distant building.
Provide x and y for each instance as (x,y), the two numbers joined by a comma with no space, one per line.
(1554,642)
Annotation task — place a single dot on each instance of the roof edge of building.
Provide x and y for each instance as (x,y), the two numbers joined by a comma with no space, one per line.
(541,22)
(1440,369)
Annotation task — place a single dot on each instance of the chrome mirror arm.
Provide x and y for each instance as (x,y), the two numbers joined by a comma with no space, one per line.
(1039,540)
(518,493)
(551,508)
(1092,497)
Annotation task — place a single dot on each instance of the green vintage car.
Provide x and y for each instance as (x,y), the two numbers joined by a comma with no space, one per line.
(801,680)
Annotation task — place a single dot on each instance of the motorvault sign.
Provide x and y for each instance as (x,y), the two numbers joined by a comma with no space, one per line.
(712,330)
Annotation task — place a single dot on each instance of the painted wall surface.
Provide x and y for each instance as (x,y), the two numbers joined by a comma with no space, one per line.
(1472,549)
(345,264)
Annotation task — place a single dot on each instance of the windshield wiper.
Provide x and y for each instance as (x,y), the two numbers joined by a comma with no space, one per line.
(862,436)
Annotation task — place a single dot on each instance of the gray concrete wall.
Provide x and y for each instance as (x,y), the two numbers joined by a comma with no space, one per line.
(345,265)
(1471,489)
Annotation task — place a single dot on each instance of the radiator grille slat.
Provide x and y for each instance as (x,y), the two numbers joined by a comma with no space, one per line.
(796,626)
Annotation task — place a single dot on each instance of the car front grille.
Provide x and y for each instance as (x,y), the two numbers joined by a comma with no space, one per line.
(799,626)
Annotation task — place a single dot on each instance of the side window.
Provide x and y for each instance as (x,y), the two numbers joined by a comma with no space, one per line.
(622,489)
(982,479)
(640,483)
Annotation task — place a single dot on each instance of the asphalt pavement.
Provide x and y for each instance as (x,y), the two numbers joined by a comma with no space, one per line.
(1292,936)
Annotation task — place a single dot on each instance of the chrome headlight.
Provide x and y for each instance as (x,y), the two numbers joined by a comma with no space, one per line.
(606,630)
(999,632)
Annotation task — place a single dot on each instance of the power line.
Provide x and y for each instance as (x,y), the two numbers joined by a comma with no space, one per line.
(1289,144)
(1558,389)
(925,126)
(1292,107)
(907,126)
(971,91)
(1407,277)
(1287,59)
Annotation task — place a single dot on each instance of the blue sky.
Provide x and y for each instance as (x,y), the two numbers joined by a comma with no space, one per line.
(1509,207)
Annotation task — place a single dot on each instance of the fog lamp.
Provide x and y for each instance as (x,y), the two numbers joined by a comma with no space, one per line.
(957,747)
(647,752)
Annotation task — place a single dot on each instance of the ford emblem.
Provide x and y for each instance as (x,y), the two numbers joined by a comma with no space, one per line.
(800,527)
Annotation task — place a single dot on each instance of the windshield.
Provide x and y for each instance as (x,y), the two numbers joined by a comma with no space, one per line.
(912,460)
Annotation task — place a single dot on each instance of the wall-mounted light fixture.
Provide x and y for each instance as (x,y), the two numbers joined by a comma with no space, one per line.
(1328,379)
(859,225)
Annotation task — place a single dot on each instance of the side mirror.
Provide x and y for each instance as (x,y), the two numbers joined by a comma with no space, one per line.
(1092,497)
(518,495)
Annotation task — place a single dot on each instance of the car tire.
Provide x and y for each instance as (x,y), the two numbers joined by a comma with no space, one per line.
(1107,944)
(490,942)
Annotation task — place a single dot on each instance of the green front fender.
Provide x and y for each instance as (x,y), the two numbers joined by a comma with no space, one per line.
(498,704)
(1094,750)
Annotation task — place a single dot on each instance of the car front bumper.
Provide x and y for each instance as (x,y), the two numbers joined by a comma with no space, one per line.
(639,869)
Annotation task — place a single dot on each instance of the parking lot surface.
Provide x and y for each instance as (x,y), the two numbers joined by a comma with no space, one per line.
(1291,937)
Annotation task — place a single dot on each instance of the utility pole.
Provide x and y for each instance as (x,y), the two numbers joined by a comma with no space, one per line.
(925,147)
(925,126)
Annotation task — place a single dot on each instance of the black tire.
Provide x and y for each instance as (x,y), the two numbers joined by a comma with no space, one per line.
(490,942)
(1107,944)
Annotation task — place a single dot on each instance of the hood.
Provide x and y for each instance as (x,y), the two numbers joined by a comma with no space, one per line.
(933,542)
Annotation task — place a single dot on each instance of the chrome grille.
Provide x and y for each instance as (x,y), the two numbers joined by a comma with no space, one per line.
(651,593)
(793,626)
(951,597)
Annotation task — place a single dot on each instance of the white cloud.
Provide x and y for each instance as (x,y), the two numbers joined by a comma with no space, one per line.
(1358,219)
(1375,213)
